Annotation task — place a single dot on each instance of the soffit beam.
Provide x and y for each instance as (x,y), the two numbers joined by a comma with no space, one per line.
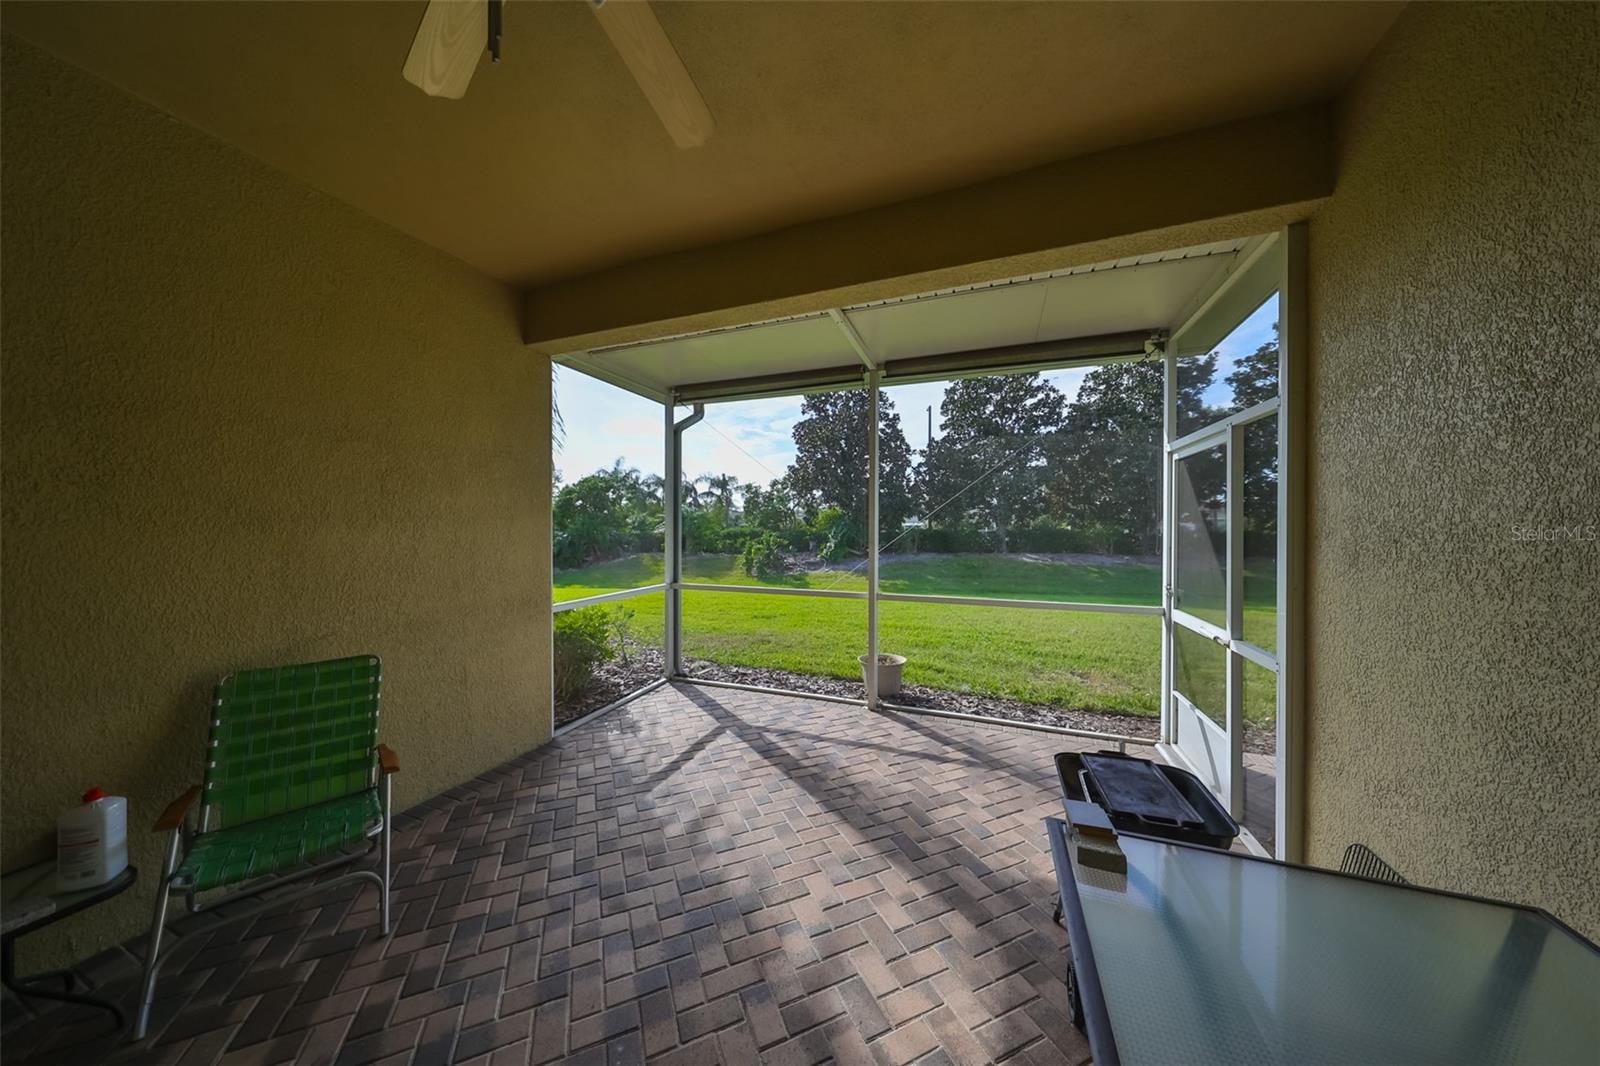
(1226,181)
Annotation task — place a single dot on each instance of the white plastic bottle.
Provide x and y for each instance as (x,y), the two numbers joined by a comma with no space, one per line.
(92,841)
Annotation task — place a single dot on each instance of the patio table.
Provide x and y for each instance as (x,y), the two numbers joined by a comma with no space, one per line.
(30,900)
(1196,955)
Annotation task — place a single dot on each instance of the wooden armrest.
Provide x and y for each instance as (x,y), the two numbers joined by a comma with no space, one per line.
(176,811)
(388,761)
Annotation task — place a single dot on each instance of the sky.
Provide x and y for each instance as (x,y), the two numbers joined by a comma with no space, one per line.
(752,440)
(1246,337)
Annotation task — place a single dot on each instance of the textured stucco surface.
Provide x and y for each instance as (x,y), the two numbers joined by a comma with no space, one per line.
(1455,404)
(1044,218)
(554,166)
(243,424)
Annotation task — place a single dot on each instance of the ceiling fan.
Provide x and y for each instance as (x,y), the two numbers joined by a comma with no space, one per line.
(455,33)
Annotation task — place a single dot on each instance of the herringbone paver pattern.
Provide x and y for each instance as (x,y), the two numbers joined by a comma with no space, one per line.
(704,875)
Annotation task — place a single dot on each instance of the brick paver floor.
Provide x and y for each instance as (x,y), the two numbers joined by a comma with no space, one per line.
(703,875)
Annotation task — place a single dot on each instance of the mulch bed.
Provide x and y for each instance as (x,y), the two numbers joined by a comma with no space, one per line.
(612,681)
(933,699)
(644,664)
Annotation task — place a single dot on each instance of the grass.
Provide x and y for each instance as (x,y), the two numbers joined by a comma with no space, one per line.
(995,576)
(1090,661)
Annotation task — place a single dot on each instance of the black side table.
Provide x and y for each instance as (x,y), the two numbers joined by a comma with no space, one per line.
(29,901)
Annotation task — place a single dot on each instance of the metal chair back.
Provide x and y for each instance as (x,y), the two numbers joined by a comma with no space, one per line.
(1364,862)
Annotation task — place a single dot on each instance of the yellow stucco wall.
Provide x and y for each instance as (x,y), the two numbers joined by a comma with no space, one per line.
(243,424)
(1454,723)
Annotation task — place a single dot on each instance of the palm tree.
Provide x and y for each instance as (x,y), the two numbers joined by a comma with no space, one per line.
(721,487)
(695,497)
(558,425)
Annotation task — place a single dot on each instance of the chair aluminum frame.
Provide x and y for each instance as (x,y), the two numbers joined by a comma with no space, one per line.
(169,886)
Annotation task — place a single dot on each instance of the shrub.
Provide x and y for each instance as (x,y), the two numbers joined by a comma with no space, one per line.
(734,539)
(959,539)
(836,546)
(701,530)
(566,551)
(622,631)
(1105,536)
(582,641)
(763,556)
(835,532)
(1047,538)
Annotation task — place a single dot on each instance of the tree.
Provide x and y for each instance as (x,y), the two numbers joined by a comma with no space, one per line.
(604,514)
(693,497)
(989,463)
(830,465)
(1255,377)
(558,424)
(771,509)
(720,487)
(1255,380)
(587,518)
(636,492)
(1105,464)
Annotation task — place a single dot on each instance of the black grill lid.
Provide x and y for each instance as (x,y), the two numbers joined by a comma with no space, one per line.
(1136,787)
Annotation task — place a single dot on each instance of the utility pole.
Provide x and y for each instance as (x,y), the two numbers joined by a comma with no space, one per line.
(930,425)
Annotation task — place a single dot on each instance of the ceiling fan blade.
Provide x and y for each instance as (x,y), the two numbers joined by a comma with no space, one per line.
(448,45)
(655,65)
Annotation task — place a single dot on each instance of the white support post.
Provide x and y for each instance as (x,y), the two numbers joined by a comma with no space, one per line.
(1234,521)
(672,535)
(872,540)
(1169,433)
(671,497)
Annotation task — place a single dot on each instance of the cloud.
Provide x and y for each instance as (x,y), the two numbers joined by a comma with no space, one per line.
(605,423)
(753,440)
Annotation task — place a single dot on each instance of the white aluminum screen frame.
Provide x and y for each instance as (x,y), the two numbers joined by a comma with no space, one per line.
(1276,264)
(1289,267)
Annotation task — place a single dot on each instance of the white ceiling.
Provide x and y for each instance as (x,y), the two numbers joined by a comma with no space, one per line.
(1150,292)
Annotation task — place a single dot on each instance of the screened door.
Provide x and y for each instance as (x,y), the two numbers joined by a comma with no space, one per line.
(1199,610)
(1224,685)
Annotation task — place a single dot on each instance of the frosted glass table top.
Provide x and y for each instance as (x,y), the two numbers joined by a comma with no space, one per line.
(30,896)
(1207,956)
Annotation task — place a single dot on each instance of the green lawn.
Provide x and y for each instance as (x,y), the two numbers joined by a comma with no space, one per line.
(999,577)
(1100,662)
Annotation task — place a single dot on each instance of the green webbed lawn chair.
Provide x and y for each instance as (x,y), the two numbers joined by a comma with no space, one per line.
(294,778)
